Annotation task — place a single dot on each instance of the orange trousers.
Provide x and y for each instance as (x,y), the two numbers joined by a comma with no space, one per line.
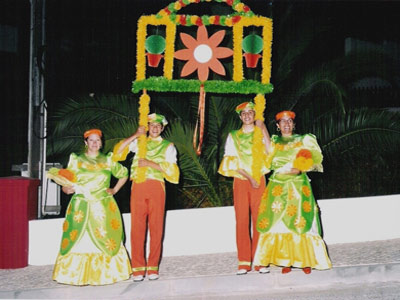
(147,208)
(246,201)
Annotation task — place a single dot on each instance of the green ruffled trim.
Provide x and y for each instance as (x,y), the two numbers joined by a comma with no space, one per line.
(161,84)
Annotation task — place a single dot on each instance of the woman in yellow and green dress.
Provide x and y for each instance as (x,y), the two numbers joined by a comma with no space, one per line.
(91,251)
(288,220)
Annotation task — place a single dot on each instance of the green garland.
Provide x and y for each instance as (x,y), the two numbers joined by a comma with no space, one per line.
(161,84)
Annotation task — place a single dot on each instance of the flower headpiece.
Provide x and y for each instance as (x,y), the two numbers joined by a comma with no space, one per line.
(285,113)
(243,106)
(92,131)
(156,118)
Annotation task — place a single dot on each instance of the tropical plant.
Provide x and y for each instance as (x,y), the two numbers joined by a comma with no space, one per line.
(319,90)
(117,115)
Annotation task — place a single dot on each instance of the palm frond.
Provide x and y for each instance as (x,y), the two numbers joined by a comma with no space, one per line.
(322,81)
(115,115)
(193,168)
(358,133)
(93,111)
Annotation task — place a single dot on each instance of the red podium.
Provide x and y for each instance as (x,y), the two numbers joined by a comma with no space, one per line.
(18,205)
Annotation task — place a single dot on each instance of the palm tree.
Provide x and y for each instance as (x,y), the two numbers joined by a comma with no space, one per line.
(319,90)
(117,116)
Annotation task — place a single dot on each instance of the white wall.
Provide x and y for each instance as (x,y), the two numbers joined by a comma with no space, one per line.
(212,230)
(351,220)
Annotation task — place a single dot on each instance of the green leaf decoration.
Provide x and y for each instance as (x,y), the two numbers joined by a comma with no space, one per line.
(155,44)
(161,84)
(252,43)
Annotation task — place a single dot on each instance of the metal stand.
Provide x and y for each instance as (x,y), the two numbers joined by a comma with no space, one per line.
(37,104)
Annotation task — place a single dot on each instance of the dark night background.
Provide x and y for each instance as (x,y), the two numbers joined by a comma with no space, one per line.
(90,48)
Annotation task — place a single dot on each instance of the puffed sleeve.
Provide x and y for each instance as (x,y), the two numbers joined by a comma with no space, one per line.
(271,152)
(310,143)
(73,164)
(230,162)
(124,153)
(117,170)
(169,166)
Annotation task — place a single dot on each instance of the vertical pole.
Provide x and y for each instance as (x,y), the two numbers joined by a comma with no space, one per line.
(37,114)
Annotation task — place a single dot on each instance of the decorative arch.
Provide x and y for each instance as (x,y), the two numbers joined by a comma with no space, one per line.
(164,48)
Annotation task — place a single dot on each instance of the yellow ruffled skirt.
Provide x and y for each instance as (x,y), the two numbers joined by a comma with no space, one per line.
(282,247)
(85,264)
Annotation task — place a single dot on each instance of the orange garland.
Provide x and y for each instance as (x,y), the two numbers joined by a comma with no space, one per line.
(200,118)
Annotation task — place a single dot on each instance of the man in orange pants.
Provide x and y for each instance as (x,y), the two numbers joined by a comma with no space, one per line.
(247,192)
(148,197)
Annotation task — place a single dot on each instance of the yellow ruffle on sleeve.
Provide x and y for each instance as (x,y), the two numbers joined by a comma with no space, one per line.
(121,156)
(170,171)
(229,167)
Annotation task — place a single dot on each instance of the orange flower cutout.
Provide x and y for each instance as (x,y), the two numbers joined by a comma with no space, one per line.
(69,209)
(64,243)
(306,190)
(277,191)
(114,224)
(300,222)
(263,223)
(265,194)
(65,226)
(112,206)
(262,208)
(111,244)
(291,210)
(298,144)
(306,206)
(203,53)
(73,235)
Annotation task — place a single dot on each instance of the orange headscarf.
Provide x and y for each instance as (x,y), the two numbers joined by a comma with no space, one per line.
(285,113)
(92,131)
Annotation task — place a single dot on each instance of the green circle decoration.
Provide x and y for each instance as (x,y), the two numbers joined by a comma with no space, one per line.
(155,44)
(252,43)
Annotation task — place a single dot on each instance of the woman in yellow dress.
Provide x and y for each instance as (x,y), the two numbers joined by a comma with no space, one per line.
(91,251)
(288,220)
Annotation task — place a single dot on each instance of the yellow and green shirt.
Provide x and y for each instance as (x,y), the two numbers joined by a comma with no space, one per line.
(238,155)
(162,152)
